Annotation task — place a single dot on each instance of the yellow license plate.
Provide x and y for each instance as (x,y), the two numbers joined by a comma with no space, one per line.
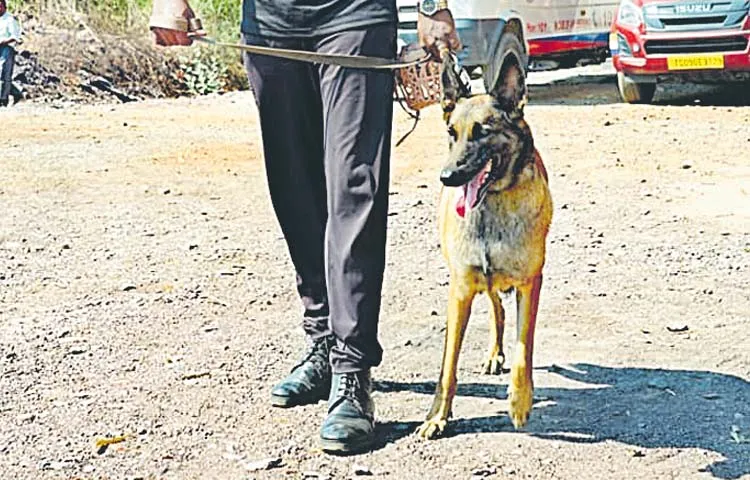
(695,62)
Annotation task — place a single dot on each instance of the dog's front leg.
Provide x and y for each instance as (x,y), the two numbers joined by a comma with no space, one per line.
(495,356)
(521,387)
(459,308)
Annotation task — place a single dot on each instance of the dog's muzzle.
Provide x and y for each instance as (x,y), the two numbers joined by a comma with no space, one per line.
(460,175)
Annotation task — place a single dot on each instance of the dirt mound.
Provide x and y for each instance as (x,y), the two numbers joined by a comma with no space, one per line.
(80,66)
(76,64)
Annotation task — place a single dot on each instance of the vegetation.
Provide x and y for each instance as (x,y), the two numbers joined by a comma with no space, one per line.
(202,69)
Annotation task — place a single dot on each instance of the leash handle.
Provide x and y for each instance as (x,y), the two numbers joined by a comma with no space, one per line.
(453,85)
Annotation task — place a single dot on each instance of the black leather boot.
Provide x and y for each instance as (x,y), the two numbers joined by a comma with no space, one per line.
(310,379)
(350,425)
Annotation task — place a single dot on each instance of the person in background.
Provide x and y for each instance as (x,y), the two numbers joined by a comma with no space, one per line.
(10,36)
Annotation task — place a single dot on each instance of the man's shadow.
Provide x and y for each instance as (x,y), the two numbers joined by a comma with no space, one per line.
(648,408)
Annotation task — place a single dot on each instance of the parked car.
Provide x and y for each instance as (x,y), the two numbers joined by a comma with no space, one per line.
(695,41)
(561,31)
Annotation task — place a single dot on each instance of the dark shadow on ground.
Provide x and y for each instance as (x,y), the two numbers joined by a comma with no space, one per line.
(648,408)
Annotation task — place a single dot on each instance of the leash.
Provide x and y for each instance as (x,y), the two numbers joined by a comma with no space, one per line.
(336,59)
(419,79)
(194,29)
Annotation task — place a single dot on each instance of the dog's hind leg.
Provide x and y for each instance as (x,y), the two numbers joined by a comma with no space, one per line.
(495,356)
(459,309)
(521,387)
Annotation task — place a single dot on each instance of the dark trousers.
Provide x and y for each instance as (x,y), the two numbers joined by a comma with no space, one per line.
(326,140)
(7,60)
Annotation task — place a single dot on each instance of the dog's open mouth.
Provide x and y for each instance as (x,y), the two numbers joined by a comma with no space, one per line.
(471,194)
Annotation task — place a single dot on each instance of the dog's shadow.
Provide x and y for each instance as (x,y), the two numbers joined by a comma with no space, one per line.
(648,408)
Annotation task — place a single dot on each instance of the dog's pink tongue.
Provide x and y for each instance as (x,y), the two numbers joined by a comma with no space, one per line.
(467,196)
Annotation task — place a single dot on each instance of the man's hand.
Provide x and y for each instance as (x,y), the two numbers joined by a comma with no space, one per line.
(438,31)
(168,9)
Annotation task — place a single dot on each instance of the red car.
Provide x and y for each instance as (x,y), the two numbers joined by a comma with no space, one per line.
(695,41)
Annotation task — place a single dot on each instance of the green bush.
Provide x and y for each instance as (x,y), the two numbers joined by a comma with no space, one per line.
(202,69)
(220,17)
(201,72)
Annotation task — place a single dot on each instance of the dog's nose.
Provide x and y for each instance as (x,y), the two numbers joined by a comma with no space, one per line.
(451,177)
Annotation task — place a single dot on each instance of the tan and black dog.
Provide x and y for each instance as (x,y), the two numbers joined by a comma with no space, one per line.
(495,213)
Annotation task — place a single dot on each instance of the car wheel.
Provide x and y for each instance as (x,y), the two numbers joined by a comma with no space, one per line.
(509,45)
(632,92)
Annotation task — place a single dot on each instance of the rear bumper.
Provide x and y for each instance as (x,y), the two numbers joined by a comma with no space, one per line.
(630,53)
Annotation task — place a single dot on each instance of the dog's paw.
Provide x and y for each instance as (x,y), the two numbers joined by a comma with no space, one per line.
(494,364)
(432,428)
(521,399)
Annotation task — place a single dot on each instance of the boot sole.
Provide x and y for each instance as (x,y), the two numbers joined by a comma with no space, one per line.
(288,402)
(337,446)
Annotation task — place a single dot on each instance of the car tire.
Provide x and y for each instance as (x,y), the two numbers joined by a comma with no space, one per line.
(633,92)
(509,44)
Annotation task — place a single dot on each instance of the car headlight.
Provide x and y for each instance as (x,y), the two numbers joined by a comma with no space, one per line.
(629,14)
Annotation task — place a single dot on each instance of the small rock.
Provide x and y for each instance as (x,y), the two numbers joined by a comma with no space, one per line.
(638,453)
(677,327)
(711,396)
(128,287)
(362,470)
(166,191)
(57,465)
(26,417)
(686,166)
(196,375)
(264,464)
(483,472)
(78,350)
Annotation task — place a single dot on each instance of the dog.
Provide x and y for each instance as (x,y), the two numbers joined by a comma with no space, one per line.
(495,211)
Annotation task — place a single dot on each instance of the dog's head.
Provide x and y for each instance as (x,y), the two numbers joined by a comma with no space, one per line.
(490,143)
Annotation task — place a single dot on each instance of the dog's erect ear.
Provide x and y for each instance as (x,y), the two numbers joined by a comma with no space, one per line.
(510,91)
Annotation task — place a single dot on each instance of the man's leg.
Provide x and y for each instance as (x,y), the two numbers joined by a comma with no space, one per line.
(287,94)
(358,111)
(7,59)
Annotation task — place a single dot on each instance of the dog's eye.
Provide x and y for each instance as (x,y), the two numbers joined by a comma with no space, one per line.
(452,132)
(480,130)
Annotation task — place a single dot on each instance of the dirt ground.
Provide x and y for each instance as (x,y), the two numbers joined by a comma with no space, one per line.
(145,291)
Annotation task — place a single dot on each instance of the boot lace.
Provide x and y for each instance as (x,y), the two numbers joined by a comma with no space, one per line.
(348,386)
(316,354)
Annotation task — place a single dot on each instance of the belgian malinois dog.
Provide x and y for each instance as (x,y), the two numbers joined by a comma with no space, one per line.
(494,216)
